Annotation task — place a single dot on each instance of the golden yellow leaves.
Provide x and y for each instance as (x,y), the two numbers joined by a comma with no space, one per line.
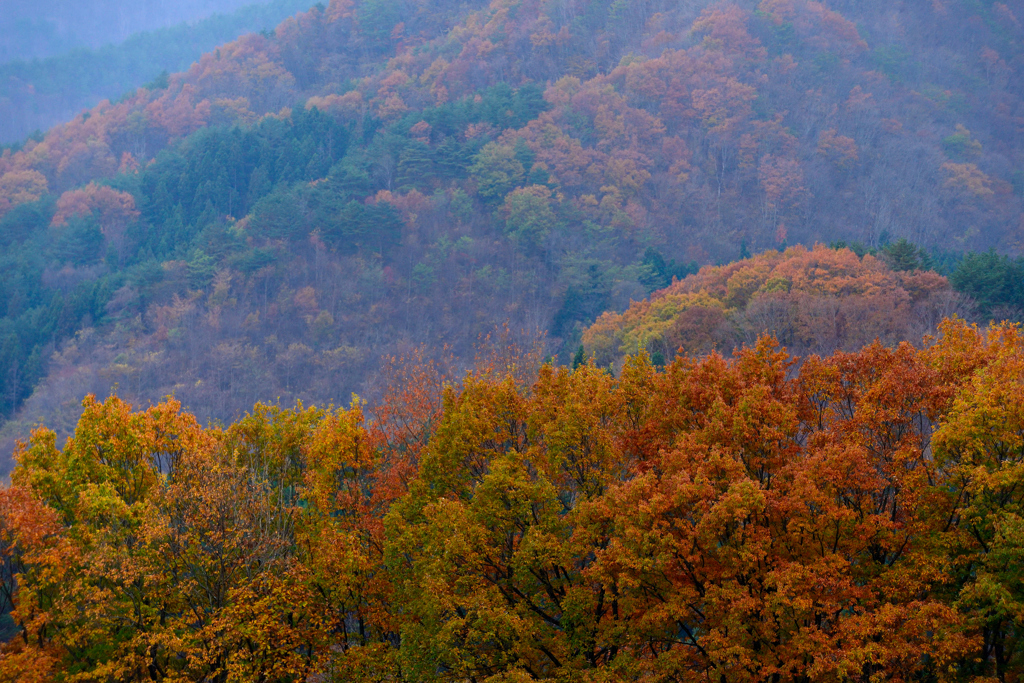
(744,518)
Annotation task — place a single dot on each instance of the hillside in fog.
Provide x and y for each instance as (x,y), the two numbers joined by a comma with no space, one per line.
(372,176)
(40,93)
(46,28)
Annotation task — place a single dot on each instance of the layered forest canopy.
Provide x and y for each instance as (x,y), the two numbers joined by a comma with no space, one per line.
(678,342)
(858,517)
(375,175)
(36,95)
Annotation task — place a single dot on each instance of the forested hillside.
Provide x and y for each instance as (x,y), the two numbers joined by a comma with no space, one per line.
(378,175)
(665,331)
(36,95)
(856,518)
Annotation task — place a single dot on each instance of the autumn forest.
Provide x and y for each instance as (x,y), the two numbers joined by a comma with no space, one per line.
(509,340)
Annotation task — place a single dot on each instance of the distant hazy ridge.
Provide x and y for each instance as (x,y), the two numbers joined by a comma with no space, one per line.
(70,71)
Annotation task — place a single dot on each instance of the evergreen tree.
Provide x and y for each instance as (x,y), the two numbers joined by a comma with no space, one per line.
(904,255)
(992,280)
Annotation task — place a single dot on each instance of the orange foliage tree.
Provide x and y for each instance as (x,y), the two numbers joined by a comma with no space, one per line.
(114,210)
(819,299)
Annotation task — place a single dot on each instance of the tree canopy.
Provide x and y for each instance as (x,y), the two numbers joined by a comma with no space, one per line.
(853,516)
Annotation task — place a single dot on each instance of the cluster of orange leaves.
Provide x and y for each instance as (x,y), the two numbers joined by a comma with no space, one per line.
(798,281)
(113,206)
(746,519)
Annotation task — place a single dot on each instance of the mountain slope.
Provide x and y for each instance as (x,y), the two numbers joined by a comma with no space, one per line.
(378,175)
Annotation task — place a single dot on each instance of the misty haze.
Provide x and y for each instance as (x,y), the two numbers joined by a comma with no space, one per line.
(78,54)
(48,28)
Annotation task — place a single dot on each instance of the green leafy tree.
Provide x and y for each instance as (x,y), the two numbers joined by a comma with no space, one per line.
(496,171)
(530,217)
(904,255)
(994,281)
(201,268)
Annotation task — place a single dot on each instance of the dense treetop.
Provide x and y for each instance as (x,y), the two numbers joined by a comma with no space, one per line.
(858,517)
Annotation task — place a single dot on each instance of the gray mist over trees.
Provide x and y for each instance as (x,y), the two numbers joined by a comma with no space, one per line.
(38,94)
(46,28)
